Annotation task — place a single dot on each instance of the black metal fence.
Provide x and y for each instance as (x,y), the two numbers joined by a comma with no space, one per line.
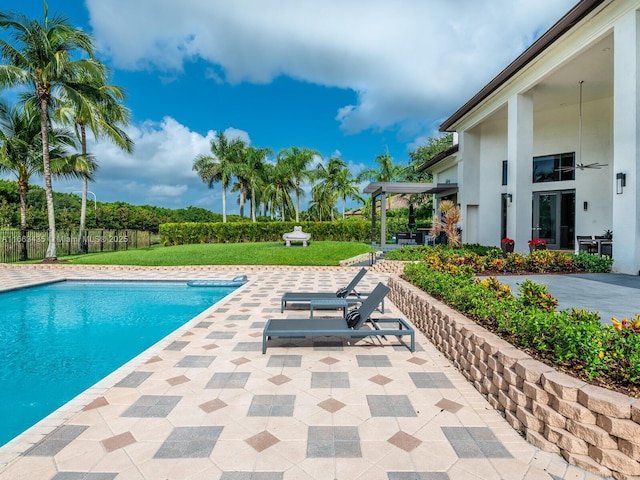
(67,242)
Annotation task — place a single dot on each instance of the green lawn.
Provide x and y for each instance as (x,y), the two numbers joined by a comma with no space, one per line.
(317,253)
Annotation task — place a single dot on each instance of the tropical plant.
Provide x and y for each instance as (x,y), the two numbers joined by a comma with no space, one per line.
(21,155)
(334,181)
(99,108)
(49,57)
(387,171)
(297,161)
(278,190)
(221,166)
(451,216)
(255,174)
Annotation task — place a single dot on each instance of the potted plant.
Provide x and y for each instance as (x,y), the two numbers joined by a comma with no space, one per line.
(537,244)
(507,245)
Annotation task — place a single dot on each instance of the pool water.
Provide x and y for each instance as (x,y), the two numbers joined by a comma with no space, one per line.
(59,339)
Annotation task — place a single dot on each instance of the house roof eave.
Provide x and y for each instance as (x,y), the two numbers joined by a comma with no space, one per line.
(562,26)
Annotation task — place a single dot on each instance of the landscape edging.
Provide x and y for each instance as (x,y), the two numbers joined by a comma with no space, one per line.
(591,427)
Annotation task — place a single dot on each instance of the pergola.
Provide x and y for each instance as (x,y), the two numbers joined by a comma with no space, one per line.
(381,189)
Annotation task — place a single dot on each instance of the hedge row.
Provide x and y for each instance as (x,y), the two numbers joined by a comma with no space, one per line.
(355,230)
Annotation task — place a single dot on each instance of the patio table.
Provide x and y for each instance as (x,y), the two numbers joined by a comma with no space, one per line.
(329,303)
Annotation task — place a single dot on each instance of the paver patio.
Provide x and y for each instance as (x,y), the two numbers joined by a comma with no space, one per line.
(205,403)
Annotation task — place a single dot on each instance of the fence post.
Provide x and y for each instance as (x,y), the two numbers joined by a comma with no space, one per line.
(101,240)
(126,240)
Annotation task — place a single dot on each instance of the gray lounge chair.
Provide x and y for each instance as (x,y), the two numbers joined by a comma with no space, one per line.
(309,327)
(351,295)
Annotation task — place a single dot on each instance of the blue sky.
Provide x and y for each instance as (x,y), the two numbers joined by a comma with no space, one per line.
(345,77)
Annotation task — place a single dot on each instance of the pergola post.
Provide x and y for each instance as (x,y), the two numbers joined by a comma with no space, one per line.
(373,219)
(383,220)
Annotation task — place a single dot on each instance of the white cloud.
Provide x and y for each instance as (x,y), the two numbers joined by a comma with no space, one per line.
(160,169)
(407,60)
(237,134)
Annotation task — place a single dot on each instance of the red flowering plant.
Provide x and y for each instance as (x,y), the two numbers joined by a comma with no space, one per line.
(508,241)
(538,242)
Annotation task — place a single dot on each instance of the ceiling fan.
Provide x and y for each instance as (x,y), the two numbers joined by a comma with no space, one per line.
(581,166)
(578,164)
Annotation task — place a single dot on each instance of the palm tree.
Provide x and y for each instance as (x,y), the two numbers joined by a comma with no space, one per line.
(328,181)
(47,58)
(21,154)
(99,109)
(221,166)
(279,186)
(248,172)
(297,160)
(255,174)
(387,171)
(322,202)
(346,187)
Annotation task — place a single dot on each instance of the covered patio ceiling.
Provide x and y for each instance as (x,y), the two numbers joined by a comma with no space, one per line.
(381,189)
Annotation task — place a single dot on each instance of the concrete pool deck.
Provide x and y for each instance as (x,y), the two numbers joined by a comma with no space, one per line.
(205,403)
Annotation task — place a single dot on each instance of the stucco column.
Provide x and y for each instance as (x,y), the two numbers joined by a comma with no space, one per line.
(520,168)
(626,144)
(469,184)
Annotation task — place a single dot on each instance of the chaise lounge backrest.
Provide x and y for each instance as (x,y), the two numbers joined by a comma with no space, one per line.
(369,304)
(352,284)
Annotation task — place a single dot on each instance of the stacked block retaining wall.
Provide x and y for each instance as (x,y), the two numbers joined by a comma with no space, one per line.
(591,427)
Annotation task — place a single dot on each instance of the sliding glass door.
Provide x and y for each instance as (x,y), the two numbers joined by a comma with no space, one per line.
(554,218)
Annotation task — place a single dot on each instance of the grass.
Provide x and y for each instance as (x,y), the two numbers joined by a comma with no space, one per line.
(316,254)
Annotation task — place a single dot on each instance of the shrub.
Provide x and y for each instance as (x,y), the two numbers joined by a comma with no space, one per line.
(592,263)
(570,338)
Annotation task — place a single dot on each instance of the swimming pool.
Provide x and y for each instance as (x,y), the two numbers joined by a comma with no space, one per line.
(57,340)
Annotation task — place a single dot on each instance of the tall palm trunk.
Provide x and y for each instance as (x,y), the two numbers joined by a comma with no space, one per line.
(22,188)
(48,189)
(224,203)
(297,200)
(82,237)
(253,204)
(242,201)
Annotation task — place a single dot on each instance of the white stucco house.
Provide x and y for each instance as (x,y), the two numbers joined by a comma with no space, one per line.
(550,148)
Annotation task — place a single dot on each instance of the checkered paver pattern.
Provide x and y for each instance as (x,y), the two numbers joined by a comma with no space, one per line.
(206,403)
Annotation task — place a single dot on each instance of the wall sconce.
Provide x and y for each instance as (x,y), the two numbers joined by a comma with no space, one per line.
(585,206)
(621,182)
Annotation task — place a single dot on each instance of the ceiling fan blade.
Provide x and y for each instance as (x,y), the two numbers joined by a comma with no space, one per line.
(595,165)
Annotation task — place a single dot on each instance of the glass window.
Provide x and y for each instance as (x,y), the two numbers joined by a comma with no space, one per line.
(554,168)
(505,172)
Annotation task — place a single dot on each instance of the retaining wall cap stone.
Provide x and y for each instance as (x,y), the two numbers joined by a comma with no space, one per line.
(510,356)
(562,385)
(599,400)
(493,345)
(531,369)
